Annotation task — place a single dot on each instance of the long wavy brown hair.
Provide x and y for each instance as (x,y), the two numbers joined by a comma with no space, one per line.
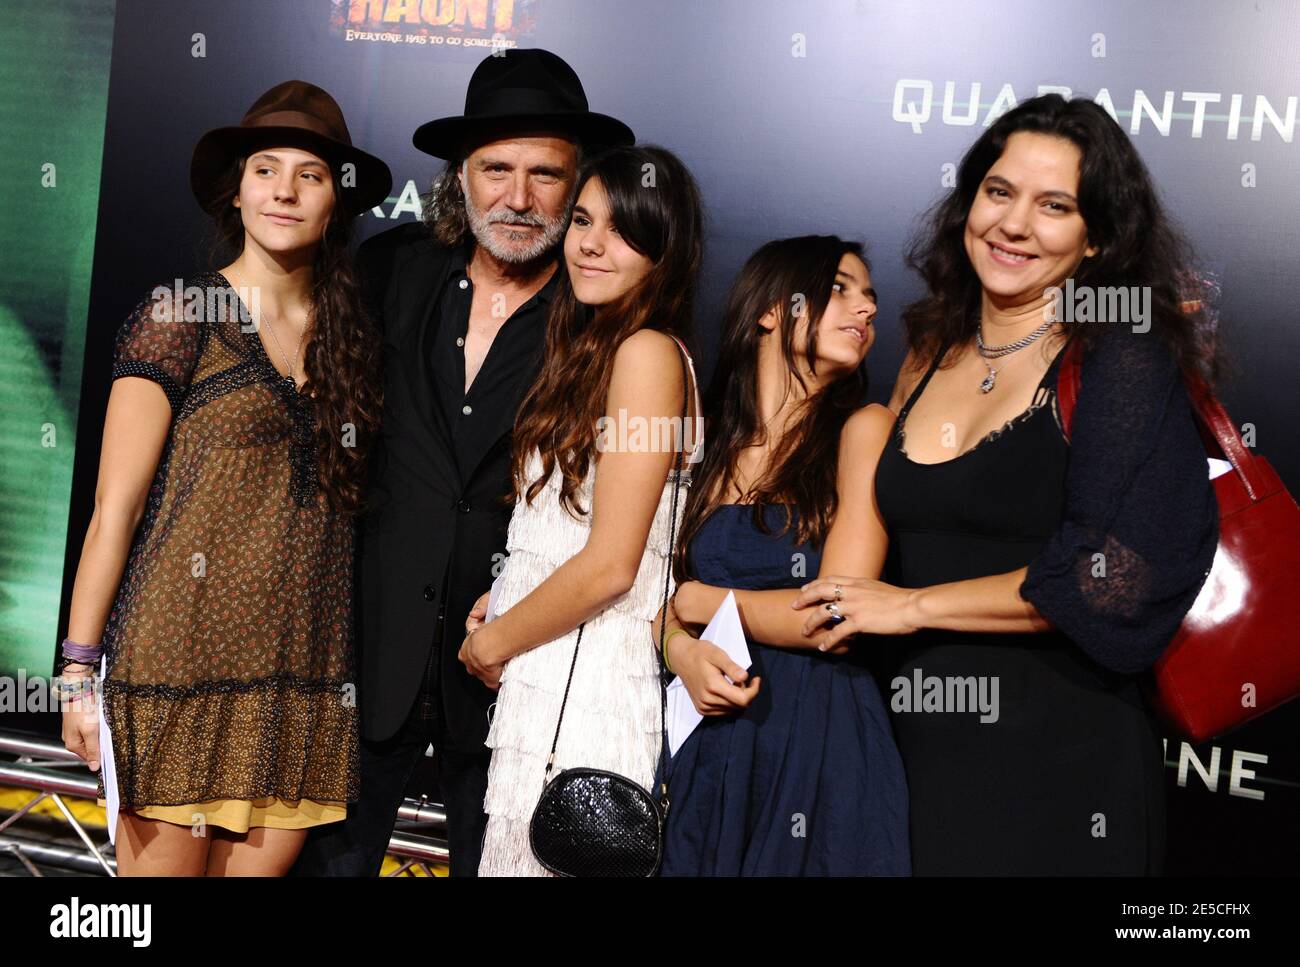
(343,357)
(664,222)
(1140,244)
(801,472)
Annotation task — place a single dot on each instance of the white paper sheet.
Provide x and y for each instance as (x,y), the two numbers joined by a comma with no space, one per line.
(106,758)
(1218,467)
(725,631)
(492,597)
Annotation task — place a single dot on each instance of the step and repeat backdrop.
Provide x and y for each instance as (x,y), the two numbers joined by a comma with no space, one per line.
(827,116)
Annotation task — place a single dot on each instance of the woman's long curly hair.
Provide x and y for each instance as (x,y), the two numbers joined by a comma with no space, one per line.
(664,222)
(343,357)
(1139,243)
(782,275)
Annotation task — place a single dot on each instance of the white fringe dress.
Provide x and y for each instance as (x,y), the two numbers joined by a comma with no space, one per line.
(612,718)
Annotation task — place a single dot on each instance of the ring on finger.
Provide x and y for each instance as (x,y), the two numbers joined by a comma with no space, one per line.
(839,593)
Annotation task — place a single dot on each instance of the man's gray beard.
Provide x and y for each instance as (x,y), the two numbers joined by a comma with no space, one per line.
(479,224)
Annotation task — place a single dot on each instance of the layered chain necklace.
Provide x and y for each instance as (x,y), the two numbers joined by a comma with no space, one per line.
(997,352)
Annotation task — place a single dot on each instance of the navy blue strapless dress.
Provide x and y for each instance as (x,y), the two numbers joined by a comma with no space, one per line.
(807,780)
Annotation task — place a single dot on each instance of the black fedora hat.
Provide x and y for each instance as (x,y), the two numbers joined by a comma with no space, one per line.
(292,114)
(519,90)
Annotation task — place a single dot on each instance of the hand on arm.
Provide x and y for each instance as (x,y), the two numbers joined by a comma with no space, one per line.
(856,544)
(764,615)
(991,604)
(855,557)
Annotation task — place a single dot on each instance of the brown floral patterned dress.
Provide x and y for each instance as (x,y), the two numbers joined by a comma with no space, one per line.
(229,665)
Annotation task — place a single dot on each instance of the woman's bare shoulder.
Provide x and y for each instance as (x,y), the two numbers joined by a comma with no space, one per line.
(866,429)
(646,347)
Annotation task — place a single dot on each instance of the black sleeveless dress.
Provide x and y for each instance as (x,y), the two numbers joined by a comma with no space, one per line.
(1062,774)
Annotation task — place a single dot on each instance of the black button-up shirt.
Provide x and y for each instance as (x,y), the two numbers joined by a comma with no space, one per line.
(447,351)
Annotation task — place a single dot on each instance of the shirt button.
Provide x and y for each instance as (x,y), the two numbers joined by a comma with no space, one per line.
(463,506)
(467,409)
(460,341)
(464,283)
(430,592)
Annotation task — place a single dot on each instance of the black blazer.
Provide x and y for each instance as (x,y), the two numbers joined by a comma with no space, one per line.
(426,548)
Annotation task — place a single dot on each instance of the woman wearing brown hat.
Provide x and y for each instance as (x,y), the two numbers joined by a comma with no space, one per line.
(214,588)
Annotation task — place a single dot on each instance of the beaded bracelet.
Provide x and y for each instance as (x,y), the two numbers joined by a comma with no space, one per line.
(73,690)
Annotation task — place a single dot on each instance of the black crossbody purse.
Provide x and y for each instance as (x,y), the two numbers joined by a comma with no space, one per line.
(592,822)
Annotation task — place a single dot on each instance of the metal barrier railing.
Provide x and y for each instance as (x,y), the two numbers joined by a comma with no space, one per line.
(39,766)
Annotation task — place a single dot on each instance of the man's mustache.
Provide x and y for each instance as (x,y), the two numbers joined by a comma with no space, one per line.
(536,221)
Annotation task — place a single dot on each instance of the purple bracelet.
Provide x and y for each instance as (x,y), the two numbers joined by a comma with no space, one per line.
(82,654)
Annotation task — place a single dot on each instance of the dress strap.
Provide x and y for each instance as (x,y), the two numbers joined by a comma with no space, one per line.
(1047,385)
(693,456)
(920,387)
(1049,377)
(1047,382)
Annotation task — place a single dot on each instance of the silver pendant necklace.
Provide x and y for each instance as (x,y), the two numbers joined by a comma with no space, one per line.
(293,383)
(997,352)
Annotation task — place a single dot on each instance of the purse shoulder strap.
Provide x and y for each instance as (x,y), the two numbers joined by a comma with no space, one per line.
(697,438)
(1211,417)
(1067,384)
(672,540)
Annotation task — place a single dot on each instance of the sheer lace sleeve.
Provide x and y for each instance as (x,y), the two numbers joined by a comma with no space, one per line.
(161,341)
(1141,520)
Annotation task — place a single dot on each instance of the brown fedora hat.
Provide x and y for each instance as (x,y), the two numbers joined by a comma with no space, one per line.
(524,89)
(292,114)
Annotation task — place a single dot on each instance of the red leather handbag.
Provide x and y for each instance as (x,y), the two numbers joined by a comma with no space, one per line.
(1244,627)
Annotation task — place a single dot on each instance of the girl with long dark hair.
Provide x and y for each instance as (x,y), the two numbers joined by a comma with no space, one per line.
(588,540)
(217,569)
(1032,579)
(793,770)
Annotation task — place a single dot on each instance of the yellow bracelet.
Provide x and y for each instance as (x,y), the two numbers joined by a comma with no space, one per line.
(675,631)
